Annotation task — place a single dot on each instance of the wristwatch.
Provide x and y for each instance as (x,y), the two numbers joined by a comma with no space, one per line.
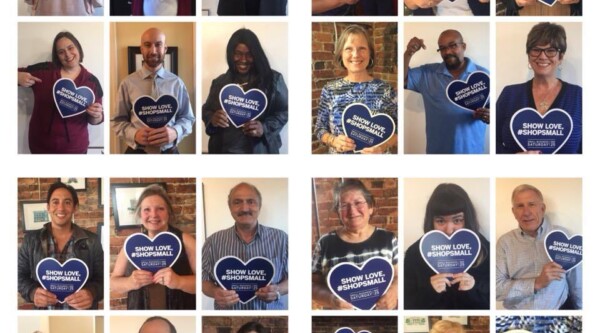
(278,295)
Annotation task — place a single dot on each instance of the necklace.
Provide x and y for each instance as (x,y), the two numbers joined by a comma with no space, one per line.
(544,104)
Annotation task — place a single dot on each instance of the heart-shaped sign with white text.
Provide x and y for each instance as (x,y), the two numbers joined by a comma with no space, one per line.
(245,278)
(62,280)
(365,128)
(361,286)
(349,330)
(546,133)
(71,100)
(152,254)
(471,94)
(564,250)
(155,113)
(548,2)
(450,254)
(242,106)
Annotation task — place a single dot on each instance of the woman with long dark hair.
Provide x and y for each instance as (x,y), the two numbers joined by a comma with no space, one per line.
(449,209)
(250,69)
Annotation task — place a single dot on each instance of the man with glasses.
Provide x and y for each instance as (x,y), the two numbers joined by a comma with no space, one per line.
(246,239)
(525,277)
(449,128)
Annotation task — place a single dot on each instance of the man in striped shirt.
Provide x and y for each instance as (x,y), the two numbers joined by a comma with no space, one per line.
(246,239)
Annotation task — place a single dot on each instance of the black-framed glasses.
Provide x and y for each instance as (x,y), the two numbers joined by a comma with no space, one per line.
(451,46)
(549,51)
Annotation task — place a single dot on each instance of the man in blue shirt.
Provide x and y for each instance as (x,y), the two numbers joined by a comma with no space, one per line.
(449,128)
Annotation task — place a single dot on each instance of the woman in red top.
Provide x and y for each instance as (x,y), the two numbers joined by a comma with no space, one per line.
(49,133)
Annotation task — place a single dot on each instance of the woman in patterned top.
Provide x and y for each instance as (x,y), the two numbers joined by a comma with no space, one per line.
(356,241)
(355,52)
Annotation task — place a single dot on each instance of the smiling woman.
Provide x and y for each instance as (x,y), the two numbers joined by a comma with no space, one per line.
(50,132)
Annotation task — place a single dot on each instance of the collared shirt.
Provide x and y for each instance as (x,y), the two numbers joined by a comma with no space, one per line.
(268,242)
(449,128)
(140,83)
(519,260)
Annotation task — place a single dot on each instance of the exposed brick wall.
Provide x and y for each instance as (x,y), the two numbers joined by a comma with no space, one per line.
(384,190)
(181,191)
(88,214)
(232,324)
(385,38)
(357,323)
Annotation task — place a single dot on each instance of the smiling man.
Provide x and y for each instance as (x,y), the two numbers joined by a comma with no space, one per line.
(525,277)
(155,81)
(245,240)
(61,239)
(449,128)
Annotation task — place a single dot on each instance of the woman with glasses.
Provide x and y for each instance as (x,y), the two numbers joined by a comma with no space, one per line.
(250,69)
(355,53)
(449,209)
(356,241)
(448,7)
(546,47)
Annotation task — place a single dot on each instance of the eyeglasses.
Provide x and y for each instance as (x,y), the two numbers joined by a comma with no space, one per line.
(357,204)
(451,46)
(550,52)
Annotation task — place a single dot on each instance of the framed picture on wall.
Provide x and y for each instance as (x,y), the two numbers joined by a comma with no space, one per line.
(77,183)
(135,59)
(34,214)
(205,12)
(416,324)
(124,201)
(101,189)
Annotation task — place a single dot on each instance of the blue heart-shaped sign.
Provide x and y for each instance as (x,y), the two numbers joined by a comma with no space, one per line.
(62,280)
(450,254)
(152,254)
(155,113)
(564,250)
(365,128)
(361,286)
(70,100)
(471,94)
(240,106)
(546,133)
(548,2)
(349,330)
(245,278)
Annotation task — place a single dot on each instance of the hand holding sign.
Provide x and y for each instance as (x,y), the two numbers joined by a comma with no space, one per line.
(64,279)
(152,254)
(155,113)
(245,278)
(71,100)
(564,250)
(242,106)
(547,133)
(450,254)
(472,94)
(365,128)
(361,286)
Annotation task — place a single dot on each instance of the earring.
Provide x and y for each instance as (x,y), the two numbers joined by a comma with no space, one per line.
(371,62)
(529,66)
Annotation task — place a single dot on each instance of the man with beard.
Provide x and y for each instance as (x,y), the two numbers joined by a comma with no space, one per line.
(155,81)
(449,128)
(246,239)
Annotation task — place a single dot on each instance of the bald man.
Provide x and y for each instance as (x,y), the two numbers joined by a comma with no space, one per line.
(245,240)
(157,324)
(155,81)
(449,129)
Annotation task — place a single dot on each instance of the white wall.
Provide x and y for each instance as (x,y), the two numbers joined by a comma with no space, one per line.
(563,198)
(274,211)
(511,59)
(31,324)
(417,192)
(24,9)
(274,40)
(132,324)
(475,35)
(35,45)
